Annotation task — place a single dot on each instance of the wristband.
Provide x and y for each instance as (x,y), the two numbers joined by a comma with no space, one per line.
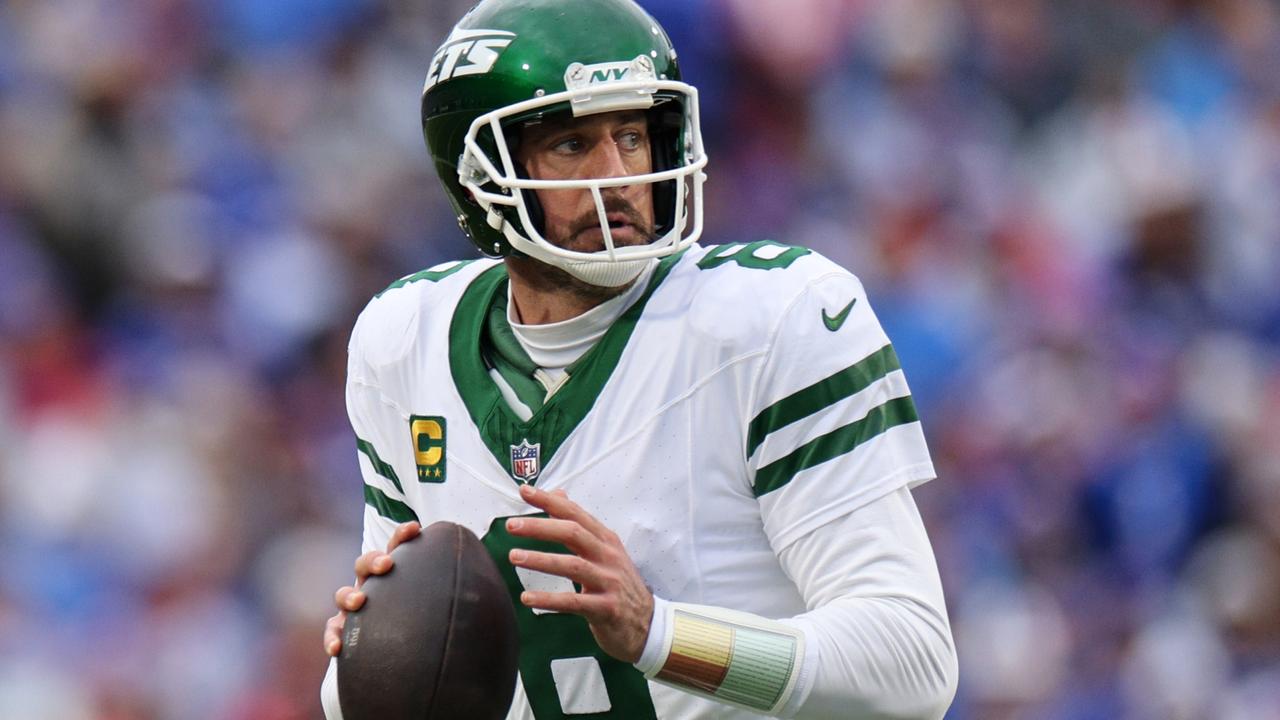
(728,656)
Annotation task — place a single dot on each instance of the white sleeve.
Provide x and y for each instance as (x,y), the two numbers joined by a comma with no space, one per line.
(834,445)
(876,640)
(383,447)
(374,421)
(329,692)
(877,637)
(832,424)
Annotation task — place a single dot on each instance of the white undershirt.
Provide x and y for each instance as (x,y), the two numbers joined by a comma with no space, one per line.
(555,346)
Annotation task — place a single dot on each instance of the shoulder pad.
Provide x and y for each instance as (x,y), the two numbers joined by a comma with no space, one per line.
(388,326)
(738,293)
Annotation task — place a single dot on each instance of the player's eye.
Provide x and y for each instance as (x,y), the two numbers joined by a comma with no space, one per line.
(631,140)
(568,146)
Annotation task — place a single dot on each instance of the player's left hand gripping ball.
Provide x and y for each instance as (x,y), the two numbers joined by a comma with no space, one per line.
(436,638)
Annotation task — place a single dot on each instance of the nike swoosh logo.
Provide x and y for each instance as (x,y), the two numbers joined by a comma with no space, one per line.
(833,323)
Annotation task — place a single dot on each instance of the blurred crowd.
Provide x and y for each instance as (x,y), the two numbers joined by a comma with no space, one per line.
(1066,212)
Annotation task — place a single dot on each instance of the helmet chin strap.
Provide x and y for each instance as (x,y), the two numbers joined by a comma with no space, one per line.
(614,274)
(598,273)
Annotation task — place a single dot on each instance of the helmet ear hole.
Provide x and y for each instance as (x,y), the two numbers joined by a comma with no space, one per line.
(664,207)
(531,203)
(665,147)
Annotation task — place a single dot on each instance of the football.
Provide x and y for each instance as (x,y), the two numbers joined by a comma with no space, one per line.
(436,637)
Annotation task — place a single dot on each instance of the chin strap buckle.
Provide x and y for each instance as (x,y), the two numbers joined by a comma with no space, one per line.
(471,172)
(495,219)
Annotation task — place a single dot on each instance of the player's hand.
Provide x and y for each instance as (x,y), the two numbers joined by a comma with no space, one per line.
(349,598)
(614,599)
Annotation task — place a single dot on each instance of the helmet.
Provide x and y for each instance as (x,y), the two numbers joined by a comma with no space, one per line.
(508,62)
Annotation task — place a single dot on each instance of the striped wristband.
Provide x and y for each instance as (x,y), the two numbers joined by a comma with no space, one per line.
(728,656)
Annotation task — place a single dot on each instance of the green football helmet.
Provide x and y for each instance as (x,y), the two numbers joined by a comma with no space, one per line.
(508,62)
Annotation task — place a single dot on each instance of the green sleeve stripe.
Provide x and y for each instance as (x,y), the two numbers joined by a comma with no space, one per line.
(379,466)
(388,507)
(778,473)
(821,394)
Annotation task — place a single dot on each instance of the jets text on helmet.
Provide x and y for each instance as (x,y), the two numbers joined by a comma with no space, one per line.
(467,52)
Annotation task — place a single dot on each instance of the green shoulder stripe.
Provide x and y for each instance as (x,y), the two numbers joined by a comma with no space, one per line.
(747,257)
(379,466)
(388,507)
(778,473)
(825,392)
(429,275)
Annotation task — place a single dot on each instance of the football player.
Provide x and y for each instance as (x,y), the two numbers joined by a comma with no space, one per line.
(693,465)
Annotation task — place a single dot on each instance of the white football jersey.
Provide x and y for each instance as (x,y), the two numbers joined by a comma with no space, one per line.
(748,397)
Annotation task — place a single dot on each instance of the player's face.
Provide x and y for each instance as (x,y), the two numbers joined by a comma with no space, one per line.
(597,146)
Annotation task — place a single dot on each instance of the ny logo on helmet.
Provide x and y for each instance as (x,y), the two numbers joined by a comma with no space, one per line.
(467,52)
(599,76)
(578,76)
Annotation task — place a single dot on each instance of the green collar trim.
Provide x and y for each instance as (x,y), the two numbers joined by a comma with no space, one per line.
(551,424)
(502,337)
(504,352)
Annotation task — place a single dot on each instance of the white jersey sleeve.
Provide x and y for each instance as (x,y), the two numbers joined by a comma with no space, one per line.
(834,444)
(378,422)
(831,446)
(878,642)
(833,425)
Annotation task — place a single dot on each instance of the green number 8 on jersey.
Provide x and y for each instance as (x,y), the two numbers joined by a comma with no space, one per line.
(564,672)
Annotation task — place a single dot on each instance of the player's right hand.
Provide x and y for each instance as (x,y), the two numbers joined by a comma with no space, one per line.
(349,598)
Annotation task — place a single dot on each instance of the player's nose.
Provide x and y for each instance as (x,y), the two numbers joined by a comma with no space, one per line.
(609,160)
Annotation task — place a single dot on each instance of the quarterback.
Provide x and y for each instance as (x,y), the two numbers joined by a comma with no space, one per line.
(693,465)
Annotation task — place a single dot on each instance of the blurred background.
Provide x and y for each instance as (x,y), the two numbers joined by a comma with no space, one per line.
(1067,214)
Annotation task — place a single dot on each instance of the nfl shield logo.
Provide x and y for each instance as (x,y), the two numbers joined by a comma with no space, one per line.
(524,461)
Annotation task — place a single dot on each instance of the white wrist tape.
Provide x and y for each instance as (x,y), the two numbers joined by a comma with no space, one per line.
(731,657)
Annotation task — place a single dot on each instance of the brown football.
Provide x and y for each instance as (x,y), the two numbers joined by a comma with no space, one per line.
(436,638)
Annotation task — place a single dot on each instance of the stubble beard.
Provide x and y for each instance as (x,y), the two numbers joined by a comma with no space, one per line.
(549,279)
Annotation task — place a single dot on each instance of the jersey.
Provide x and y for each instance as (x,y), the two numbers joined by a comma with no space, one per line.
(746,398)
